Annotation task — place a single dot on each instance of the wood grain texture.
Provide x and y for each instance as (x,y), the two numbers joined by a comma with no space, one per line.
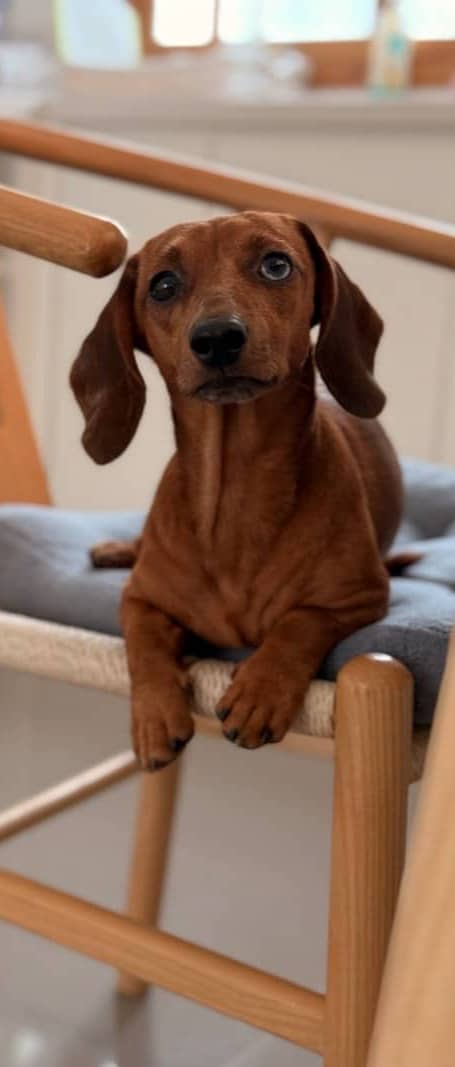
(374,706)
(415,1025)
(22,476)
(65,795)
(59,234)
(366,224)
(232,988)
(152,837)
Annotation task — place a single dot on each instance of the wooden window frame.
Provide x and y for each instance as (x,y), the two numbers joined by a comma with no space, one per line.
(340,64)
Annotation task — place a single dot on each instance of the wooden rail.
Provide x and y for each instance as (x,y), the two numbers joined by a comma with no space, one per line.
(232,988)
(366,224)
(60,797)
(373,714)
(153,835)
(69,238)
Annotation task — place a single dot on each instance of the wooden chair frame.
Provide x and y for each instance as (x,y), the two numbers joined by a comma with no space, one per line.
(372,744)
(414,1030)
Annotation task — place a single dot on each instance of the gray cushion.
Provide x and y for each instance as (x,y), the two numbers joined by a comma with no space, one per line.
(46,573)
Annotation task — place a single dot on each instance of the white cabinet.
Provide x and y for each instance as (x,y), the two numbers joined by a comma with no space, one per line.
(411,168)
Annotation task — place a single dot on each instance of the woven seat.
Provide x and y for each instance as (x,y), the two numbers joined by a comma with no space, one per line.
(98,661)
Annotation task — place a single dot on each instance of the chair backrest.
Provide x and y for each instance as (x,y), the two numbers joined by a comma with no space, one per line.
(93,245)
(395,231)
(72,239)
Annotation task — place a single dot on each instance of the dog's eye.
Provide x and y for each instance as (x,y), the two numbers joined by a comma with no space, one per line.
(275,267)
(164,286)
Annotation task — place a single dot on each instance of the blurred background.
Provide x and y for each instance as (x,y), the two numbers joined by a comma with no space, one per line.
(355,98)
(352,97)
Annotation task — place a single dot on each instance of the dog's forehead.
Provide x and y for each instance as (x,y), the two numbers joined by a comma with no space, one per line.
(225,233)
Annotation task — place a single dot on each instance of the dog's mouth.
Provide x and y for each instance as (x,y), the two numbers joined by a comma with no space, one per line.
(233,390)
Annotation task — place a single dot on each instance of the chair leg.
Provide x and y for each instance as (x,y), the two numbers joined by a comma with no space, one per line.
(152,837)
(372,771)
(415,1020)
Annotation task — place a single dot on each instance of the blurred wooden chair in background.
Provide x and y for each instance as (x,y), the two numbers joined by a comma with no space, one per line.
(71,239)
(364,722)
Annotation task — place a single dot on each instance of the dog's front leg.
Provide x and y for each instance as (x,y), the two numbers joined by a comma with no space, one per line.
(161,718)
(267,690)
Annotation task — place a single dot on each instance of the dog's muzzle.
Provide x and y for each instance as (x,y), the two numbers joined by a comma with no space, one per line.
(218,342)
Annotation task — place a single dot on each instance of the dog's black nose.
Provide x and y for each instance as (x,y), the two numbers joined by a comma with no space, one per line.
(218,342)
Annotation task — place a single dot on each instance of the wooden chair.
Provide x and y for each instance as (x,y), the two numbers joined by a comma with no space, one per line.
(364,722)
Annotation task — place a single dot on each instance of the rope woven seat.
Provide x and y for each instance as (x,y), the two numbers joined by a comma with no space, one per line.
(98,661)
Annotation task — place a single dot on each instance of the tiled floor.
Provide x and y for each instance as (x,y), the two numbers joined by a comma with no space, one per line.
(248,876)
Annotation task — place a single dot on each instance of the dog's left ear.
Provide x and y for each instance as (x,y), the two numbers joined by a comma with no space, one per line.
(105,377)
(350,331)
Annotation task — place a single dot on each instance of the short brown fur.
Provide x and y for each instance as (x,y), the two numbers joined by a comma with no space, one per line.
(271,522)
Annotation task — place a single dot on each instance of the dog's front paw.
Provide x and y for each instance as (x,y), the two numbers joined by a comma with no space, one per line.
(162,724)
(258,709)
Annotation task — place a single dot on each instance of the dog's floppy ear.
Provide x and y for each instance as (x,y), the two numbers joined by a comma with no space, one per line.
(350,331)
(105,378)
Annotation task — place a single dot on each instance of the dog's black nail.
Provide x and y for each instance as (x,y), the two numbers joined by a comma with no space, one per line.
(177,744)
(232,735)
(241,743)
(156,764)
(266,736)
(223,713)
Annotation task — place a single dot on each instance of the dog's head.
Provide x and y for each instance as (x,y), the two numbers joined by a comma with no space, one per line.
(225,309)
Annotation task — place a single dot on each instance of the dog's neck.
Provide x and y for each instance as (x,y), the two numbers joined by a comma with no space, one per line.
(225,451)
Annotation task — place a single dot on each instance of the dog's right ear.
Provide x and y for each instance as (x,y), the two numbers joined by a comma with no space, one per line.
(105,378)
(350,331)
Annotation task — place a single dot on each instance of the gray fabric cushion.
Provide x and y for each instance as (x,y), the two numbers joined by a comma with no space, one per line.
(46,570)
(46,573)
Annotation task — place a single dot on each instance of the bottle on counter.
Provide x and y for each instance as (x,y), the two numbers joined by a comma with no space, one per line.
(390,52)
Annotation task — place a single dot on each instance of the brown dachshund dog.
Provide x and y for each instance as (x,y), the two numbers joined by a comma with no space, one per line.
(271,522)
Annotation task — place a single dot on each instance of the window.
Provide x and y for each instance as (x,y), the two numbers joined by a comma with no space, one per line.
(334,32)
(291,20)
(174,24)
(429,19)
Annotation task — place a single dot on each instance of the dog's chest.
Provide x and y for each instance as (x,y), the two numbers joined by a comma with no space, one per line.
(232,581)
(260,588)
(232,598)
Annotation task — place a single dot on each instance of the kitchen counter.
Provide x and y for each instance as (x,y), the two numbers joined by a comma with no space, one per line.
(103,99)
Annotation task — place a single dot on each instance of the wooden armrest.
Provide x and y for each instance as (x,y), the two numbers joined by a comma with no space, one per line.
(70,238)
(366,224)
